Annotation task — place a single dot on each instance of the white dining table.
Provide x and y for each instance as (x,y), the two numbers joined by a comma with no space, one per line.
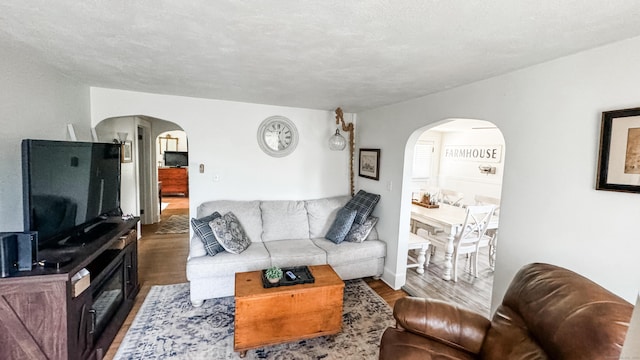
(446,218)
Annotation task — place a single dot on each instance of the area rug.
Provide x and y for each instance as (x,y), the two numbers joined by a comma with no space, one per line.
(168,327)
(175,224)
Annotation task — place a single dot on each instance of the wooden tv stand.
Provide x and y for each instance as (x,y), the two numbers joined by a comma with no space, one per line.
(43,315)
(174,180)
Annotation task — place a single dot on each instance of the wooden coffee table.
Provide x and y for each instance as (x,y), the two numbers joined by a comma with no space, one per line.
(286,313)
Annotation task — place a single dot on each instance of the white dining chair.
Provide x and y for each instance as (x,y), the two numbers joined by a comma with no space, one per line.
(487,200)
(469,238)
(491,233)
(450,197)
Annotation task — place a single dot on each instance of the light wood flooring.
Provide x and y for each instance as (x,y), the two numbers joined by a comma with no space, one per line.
(162,260)
(470,292)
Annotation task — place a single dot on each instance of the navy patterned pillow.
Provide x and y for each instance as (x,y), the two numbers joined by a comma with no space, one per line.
(341,225)
(202,229)
(230,234)
(363,203)
(359,232)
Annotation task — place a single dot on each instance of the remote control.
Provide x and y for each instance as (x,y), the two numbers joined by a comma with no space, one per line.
(291,275)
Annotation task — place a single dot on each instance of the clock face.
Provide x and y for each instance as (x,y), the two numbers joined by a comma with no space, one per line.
(277,136)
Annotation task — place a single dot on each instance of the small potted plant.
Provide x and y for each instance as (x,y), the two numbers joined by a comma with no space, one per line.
(273,274)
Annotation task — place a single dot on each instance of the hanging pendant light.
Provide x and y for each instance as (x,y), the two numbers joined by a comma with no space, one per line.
(337,142)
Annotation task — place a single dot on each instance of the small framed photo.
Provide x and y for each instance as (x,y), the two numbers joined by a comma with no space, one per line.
(619,157)
(126,152)
(369,164)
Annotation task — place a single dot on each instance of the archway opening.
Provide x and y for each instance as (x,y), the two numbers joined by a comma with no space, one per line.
(464,159)
(172,154)
(140,189)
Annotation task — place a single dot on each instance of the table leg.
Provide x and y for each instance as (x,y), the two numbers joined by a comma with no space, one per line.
(422,258)
(243,354)
(448,253)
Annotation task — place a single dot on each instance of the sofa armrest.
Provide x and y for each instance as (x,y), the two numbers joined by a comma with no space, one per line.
(196,248)
(443,322)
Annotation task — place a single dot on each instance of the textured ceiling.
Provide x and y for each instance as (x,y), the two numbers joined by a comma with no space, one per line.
(311,54)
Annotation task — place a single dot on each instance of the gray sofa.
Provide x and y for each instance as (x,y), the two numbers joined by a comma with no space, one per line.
(284,234)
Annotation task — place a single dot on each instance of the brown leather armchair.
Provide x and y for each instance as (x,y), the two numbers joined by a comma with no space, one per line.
(547,313)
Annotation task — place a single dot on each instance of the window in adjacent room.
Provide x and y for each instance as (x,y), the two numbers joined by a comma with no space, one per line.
(422,160)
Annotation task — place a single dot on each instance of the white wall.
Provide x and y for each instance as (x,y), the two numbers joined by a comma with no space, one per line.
(36,102)
(549,116)
(463,175)
(223,136)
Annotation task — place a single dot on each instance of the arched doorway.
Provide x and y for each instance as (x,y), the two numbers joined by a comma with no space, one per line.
(140,193)
(449,156)
(172,154)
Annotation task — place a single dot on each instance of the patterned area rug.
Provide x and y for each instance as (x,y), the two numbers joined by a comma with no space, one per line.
(167,326)
(175,224)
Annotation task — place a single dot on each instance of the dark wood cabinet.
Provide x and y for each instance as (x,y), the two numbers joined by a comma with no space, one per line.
(40,318)
(81,326)
(131,272)
(174,180)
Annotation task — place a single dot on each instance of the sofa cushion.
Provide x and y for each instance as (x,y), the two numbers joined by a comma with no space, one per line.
(196,247)
(363,202)
(401,344)
(322,212)
(202,229)
(350,252)
(247,212)
(341,225)
(296,252)
(283,220)
(227,264)
(359,232)
(230,234)
(509,336)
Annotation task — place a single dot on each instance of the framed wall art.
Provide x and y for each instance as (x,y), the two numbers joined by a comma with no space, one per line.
(126,152)
(170,143)
(619,156)
(369,164)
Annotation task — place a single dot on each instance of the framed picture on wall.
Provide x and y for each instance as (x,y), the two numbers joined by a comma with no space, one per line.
(167,143)
(126,155)
(369,164)
(619,157)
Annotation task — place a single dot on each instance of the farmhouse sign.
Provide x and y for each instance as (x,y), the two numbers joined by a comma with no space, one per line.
(480,153)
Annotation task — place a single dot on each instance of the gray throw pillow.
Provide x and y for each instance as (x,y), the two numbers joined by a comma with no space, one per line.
(359,232)
(363,203)
(230,234)
(202,229)
(341,225)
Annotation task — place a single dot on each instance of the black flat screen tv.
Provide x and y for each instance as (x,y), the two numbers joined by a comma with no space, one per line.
(176,158)
(68,188)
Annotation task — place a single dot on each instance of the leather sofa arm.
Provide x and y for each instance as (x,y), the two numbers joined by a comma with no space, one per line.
(443,322)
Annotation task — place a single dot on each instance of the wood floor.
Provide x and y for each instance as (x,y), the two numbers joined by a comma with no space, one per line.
(162,260)
(470,292)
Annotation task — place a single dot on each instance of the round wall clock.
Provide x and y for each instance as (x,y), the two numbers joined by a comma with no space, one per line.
(277,136)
